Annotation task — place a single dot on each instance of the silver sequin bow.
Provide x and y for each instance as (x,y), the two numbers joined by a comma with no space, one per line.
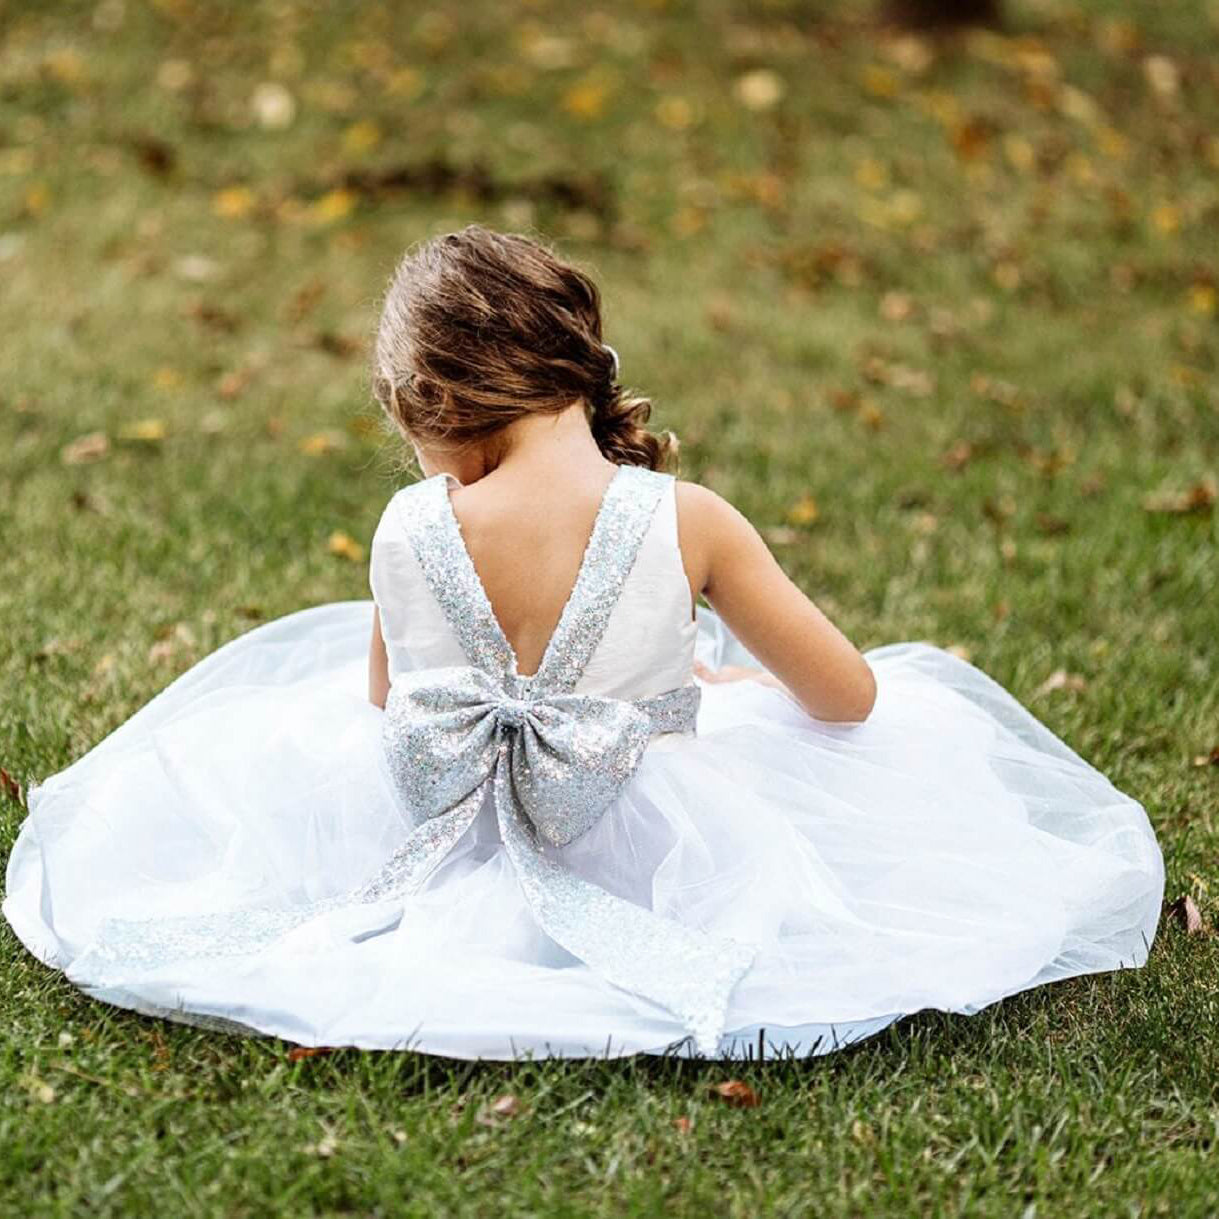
(566,755)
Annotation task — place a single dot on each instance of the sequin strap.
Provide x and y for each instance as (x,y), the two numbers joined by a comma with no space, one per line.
(427,518)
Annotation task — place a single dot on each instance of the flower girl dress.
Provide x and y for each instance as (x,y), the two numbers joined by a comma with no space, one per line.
(586,861)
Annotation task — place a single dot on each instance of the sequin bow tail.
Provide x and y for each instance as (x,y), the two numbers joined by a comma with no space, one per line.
(554,762)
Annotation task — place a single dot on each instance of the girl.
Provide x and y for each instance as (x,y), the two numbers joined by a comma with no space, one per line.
(577,814)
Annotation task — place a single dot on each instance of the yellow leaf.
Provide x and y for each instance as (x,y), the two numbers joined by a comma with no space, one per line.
(16,161)
(804,511)
(37,199)
(760,89)
(1020,153)
(406,83)
(587,99)
(871,175)
(1166,218)
(334,205)
(345,547)
(66,66)
(1202,299)
(166,378)
(1112,143)
(880,82)
(362,136)
(321,443)
(233,202)
(148,430)
(675,113)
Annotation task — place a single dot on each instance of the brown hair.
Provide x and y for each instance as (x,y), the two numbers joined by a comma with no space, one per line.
(480,328)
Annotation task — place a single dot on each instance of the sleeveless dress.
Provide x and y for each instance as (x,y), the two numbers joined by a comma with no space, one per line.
(604,858)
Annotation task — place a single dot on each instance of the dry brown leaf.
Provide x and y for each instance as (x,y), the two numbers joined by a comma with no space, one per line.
(1202,759)
(1060,679)
(896,306)
(345,547)
(11,788)
(737,1093)
(683,1125)
(300,1052)
(91,447)
(341,346)
(1052,526)
(1199,498)
(1188,916)
(957,457)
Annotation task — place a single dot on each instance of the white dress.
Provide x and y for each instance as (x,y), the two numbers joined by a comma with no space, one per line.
(945,854)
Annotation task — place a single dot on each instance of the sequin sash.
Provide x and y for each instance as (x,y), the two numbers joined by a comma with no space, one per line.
(550,761)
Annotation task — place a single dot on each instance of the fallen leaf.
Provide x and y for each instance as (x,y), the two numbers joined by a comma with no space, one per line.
(322,443)
(896,306)
(1202,759)
(1162,75)
(345,546)
(957,457)
(1187,915)
(334,205)
(1199,498)
(273,106)
(1060,679)
(91,447)
(737,1093)
(501,1109)
(337,344)
(300,1052)
(760,89)
(683,1125)
(783,535)
(803,512)
(1052,526)
(361,136)
(11,788)
(233,202)
(148,431)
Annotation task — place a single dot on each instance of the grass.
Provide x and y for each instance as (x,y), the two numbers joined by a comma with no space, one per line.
(956,301)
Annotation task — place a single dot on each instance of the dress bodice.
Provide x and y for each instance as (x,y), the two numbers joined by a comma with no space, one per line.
(646,649)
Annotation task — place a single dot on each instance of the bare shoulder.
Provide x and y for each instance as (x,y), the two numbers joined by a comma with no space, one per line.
(702,514)
(709,528)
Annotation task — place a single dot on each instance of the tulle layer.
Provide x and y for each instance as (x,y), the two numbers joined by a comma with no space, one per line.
(947,853)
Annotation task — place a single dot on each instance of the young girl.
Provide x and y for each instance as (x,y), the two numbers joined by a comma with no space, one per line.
(576,813)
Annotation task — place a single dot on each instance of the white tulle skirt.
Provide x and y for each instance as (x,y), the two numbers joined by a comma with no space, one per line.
(947,853)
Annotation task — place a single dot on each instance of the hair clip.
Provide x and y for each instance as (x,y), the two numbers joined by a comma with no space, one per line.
(615,355)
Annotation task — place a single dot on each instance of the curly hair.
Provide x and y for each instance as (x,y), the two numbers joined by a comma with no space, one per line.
(480,328)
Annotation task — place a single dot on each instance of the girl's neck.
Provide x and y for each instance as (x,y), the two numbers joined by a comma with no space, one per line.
(532,447)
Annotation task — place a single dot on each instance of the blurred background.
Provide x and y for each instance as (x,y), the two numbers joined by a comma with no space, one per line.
(929,290)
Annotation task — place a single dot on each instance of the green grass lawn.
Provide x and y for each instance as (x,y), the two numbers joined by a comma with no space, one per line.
(940,317)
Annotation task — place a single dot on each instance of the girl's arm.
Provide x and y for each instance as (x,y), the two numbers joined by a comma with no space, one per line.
(727,560)
(378,664)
